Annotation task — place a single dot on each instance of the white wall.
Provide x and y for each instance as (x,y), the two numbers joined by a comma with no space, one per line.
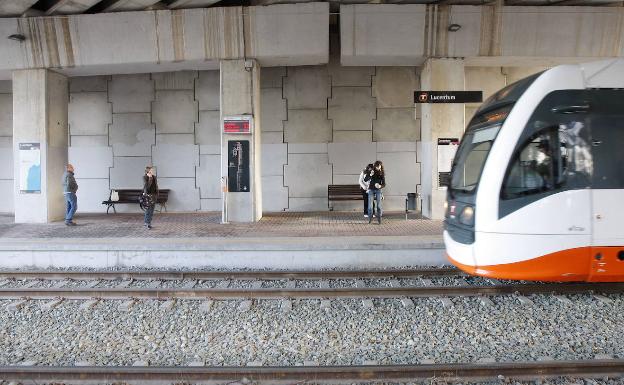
(6,147)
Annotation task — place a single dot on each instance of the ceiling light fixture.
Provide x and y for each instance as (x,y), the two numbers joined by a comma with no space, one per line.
(17,37)
(454,27)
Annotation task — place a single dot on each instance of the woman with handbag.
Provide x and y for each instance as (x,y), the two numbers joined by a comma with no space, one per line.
(150,195)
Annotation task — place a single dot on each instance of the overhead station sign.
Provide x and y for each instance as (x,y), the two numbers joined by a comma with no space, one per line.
(448,96)
(237,124)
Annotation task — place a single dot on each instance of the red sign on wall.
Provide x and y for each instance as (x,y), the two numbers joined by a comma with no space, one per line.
(237,125)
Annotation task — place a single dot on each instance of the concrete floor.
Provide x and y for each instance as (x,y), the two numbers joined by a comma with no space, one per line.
(288,240)
(185,225)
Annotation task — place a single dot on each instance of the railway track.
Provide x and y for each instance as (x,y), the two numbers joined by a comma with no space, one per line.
(273,375)
(204,275)
(81,293)
(186,285)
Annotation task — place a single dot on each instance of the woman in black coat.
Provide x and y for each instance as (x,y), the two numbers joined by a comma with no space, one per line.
(150,191)
(377,181)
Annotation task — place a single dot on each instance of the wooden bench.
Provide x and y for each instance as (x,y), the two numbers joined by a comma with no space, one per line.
(343,192)
(132,196)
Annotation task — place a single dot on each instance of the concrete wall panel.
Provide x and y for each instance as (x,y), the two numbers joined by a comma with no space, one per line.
(402,172)
(209,176)
(272,137)
(88,84)
(91,162)
(486,79)
(274,194)
(176,160)
(353,136)
(175,112)
(181,139)
(307,148)
(6,115)
(181,80)
(6,192)
(91,193)
(554,32)
(466,41)
(6,87)
(351,158)
(396,124)
(351,108)
(184,196)
(382,34)
(308,204)
(131,93)
(6,164)
(396,147)
(128,172)
(307,126)
(271,77)
(346,179)
(207,130)
(273,110)
(88,141)
(350,76)
(307,87)
(207,90)
(394,86)
(132,135)
(210,149)
(289,34)
(89,113)
(211,205)
(307,175)
(274,157)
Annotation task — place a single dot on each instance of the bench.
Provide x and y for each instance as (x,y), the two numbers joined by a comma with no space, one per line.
(132,196)
(343,192)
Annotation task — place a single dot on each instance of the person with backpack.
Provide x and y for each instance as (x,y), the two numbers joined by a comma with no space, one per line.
(377,181)
(150,195)
(364,187)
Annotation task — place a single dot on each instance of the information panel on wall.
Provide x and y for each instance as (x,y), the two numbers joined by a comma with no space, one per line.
(447,147)
(238,166)
(448,96)
(30,168)
(238,124)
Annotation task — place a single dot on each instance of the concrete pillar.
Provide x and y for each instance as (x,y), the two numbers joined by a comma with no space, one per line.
(40,100)
(438,121)
(240,97)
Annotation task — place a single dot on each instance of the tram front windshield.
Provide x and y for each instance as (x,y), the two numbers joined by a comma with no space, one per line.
(480,134)
(474,149)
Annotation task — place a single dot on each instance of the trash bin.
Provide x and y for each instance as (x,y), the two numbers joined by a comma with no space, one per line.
(410,203)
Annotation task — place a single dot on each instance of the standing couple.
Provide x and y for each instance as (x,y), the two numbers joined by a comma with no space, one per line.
(372,180)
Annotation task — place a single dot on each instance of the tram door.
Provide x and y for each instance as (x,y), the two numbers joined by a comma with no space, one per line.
(607,145)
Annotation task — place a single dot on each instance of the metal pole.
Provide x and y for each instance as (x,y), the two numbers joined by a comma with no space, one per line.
(224,212)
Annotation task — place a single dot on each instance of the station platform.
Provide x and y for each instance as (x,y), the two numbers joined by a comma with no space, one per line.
(288,240)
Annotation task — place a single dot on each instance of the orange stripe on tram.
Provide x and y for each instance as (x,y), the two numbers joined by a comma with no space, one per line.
(595,264)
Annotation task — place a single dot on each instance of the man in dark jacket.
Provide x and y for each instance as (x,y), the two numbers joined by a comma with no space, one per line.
(69,190)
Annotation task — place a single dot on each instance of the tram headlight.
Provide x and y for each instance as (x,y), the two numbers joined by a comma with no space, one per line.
(467,216)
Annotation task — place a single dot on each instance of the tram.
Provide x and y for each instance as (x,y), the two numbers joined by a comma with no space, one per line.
(537,184)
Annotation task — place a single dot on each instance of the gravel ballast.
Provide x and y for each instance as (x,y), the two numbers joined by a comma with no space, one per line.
(345,334)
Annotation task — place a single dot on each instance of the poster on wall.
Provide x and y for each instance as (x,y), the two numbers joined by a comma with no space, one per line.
(30,168)
(238,166)
(447,147)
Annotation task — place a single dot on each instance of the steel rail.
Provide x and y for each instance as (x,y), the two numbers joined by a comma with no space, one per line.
(515,370)
(255,274)
(277,293)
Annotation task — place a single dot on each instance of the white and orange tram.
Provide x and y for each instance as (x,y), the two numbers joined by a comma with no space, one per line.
(537,184)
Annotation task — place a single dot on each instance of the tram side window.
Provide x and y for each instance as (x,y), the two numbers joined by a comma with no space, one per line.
(537,168)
